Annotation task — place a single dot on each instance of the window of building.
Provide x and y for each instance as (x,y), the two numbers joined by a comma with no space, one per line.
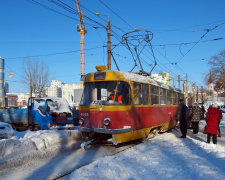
(154,95)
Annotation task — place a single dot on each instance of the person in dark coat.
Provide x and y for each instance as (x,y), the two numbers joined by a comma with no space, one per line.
(203,111)
(196,117)
(189,123)
(219,132)
(182,114)
(213,117)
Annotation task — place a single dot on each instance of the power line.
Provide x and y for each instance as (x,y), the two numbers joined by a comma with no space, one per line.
(52,54)
(73,11)
(179,29)
(93,13)
(116,14)
(186,43)
(51,9)
(207,31)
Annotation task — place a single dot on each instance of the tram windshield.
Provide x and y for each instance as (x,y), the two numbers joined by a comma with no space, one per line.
(106,93)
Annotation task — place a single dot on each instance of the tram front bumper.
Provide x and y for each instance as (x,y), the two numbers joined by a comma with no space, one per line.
(106,131)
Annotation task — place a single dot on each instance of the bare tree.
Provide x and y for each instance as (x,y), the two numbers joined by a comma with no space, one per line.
(37,74)
(217,71)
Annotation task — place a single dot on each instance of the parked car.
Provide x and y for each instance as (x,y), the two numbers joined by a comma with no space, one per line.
(6,131)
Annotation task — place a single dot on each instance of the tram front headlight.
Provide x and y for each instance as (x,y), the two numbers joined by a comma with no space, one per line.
(81,121)
(106,121)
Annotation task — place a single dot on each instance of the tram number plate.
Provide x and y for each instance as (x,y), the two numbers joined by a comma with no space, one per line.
(84,114)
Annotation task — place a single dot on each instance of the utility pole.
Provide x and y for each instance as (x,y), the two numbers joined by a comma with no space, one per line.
(197,95)
(109,46)
(30,86)
(82,31)
(109,52)
(2,83)
(194,92)
(179,80)
(186,87)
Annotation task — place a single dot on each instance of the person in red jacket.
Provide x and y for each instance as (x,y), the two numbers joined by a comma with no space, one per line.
(212,120)
(118,99)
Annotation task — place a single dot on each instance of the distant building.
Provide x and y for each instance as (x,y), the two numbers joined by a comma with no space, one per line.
(54,91)
(211,87)
(68,92)
(211,90)
(60,89)
(22,99)
(11,100)
(56,83)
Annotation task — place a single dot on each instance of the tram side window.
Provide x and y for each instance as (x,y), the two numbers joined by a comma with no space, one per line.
(87,96)
(154,95)
(123,91)
(141,94)
(145,94)
(174,98)
(169,97)
(162,96)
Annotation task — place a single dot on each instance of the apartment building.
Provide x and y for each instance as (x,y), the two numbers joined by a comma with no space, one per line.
(67,91)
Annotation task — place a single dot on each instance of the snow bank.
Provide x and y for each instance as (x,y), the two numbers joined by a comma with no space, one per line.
(38,140)
(55,104)
(32,143)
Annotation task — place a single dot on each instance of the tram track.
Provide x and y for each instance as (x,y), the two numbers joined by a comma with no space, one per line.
(118,150)
(63,164)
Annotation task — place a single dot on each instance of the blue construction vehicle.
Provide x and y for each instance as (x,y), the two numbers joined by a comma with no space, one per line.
(41,113)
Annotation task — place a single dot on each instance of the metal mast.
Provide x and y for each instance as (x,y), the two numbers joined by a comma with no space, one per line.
(109,46)
(82,31)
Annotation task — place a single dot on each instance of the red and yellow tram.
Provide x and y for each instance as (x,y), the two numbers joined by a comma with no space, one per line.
(125,106)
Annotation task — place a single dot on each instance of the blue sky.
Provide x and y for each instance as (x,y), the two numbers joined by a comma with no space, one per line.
(28,29)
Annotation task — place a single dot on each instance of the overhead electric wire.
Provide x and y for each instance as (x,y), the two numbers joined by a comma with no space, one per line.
(207,31)
(52,54)
(116,14)
(160,65)
(93,13)
(21,82)
(51,9)
(72,10)
(178,67)
(179,29)
(186,43)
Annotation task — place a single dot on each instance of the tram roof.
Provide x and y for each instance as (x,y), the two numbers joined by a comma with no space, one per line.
(146,79)
(130,76)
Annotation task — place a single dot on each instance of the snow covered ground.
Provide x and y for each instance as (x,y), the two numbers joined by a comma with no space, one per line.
(165,157)
(26,146)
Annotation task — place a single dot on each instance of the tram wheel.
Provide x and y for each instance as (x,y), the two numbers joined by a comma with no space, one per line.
(85,136)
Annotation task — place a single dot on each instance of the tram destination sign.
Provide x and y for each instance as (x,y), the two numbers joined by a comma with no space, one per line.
(99,76)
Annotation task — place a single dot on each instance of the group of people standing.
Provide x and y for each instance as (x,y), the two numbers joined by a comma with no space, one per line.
(194,114)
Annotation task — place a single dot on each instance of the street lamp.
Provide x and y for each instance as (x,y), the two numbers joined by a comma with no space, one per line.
(108,42)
